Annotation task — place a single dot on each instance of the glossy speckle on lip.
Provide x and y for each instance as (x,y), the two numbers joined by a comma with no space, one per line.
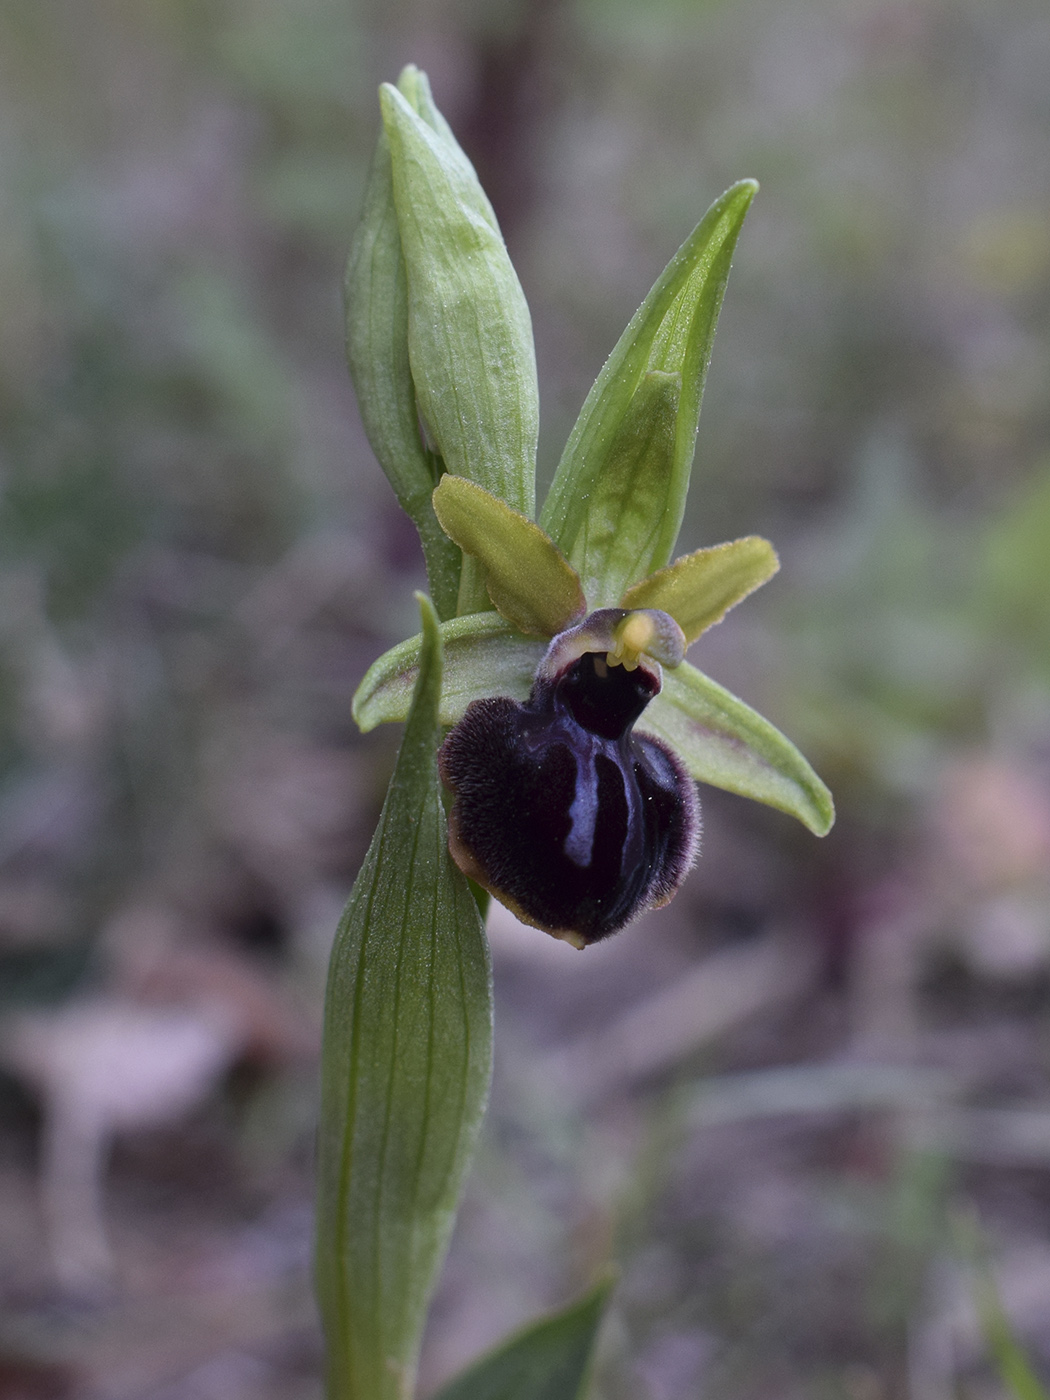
(561,811)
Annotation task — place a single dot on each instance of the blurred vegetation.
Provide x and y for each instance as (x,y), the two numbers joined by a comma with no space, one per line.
(198,556)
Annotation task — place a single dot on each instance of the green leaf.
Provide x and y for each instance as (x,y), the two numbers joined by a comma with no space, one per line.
(527,578)
(483,656)
(670,335)
(376,299)
(469,331)
(725,743)
(700,588)
(549,1360)
(404,1073)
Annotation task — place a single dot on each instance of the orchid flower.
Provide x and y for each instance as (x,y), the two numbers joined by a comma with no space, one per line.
(441,352)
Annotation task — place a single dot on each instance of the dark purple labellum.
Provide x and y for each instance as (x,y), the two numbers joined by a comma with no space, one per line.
(566,815)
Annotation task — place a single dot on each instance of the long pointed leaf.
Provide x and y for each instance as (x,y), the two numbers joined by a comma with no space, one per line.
(483,656)
(549,1360)
(404,1075)
(670,335)
(725,743)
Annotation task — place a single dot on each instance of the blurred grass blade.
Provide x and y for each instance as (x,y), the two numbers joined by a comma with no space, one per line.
(700,588)
(1011,570)
(549,1360)
(469,330)
(725,743)
(483,656)
(404,1075)
(1015,1370)
(530,582)
(376,299)
(655,376)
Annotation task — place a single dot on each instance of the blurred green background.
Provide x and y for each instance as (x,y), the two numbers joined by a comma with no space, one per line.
(199,557)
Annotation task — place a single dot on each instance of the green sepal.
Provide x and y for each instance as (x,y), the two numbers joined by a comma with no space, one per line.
(671,334)
(404,1074)
(483,656)
(528,579)
(376,302)
(725,743)
(624,515)
(469,331)
(700,588)
(548,1360)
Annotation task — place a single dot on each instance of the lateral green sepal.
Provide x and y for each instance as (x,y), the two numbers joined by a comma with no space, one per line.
(670,334)
(483,656)
(699,588)
(725,743)
(547,1360)
(405,1071)
(527,577)
(469,331)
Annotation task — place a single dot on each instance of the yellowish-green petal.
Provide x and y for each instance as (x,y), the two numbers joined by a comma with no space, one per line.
(527,577)
(700,588)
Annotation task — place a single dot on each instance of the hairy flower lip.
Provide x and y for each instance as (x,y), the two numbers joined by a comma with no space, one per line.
(560,810)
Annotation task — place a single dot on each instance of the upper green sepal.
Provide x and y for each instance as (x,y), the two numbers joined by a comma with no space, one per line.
(483,656)
(527,577)
(469,331)
(669,335)
(621,526)
(725,743)
(700,588)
